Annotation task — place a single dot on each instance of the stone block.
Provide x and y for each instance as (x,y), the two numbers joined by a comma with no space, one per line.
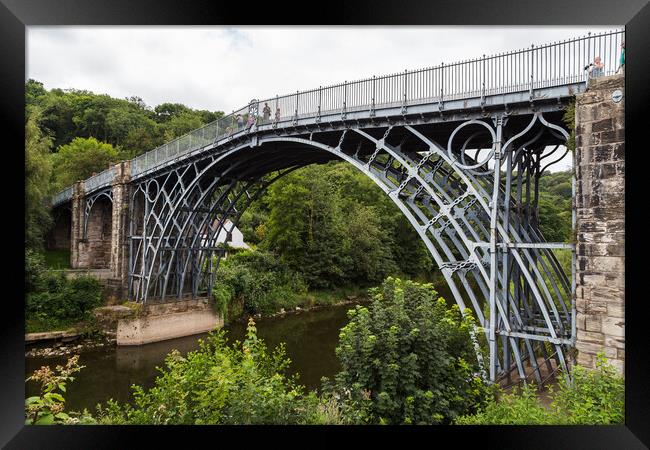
(618,343)
(592,324)
(586,360)
(588,347)
(619,365)
(154,328)
(616,309)
(613,326)
(607,263)
(602,125)
(595,339)
(611,352)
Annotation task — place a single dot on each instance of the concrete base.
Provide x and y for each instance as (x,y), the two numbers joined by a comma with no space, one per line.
(166,325)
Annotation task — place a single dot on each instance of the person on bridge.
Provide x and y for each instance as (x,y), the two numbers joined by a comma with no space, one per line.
(267,113)
(597,68)
(240,121)
(622,66)
(251,121)
(277,115)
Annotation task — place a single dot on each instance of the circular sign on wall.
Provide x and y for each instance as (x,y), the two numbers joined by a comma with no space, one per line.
(617,95)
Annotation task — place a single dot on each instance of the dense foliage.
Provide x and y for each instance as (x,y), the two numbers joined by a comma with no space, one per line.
(38,169)
(129,125)
(80,159)
(53,301)
(244,383)
(555,206)
(592,397)
(331,224)
(412,356)
(257,281)
(221,384)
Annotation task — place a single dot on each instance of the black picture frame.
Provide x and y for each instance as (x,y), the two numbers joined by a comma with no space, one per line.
(16,15)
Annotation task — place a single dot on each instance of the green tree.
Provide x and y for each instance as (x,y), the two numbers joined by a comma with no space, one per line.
(181,124)
(256,280)
(127,123)
(411,355)
(81,158)
(591,397)
(34,91)
(38,170)
(369,246)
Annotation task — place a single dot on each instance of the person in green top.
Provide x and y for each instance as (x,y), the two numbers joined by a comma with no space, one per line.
(622,66)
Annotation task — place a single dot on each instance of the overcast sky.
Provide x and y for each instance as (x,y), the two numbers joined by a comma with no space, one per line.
(222,68)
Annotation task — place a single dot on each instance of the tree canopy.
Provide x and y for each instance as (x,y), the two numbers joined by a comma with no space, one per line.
(80,159)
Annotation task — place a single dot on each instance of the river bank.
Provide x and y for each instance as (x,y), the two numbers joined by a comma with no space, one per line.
(91,335)
(310,337)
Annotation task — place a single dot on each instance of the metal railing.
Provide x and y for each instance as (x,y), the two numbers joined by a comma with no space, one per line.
(62,196)
(555,64)
(100,180)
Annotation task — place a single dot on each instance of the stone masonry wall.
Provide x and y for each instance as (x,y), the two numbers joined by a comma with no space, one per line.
(600,202)
(119,252)
(95,250)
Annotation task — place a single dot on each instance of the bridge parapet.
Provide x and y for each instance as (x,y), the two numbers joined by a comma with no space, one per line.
(100,180)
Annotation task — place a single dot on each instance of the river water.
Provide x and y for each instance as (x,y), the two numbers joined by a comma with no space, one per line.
(310,336)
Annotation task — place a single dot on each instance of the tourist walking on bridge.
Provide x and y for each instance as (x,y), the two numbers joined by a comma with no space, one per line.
(251,121)
(622,60)
(277,115)
(597,68)
(266,113)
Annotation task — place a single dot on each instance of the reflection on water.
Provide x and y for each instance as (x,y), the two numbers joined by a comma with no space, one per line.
(310,337)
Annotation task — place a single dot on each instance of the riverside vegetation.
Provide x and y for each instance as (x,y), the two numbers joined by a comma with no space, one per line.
(407,358)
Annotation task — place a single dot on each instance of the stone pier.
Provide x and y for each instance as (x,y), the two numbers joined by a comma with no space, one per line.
(104,247)
(159,322)
(600,202)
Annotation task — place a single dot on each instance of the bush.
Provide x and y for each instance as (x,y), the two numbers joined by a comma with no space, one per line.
(53,301)
(410,356)
(221,384)
(48,407)
(34,270)
(592,397)
(260,280)
(521,407)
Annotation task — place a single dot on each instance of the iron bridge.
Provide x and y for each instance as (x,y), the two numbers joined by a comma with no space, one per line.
(459,148)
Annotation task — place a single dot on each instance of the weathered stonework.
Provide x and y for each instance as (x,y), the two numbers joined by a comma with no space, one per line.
(159,322)
(106,245)
(119,262)
(77,223)
(600,206)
